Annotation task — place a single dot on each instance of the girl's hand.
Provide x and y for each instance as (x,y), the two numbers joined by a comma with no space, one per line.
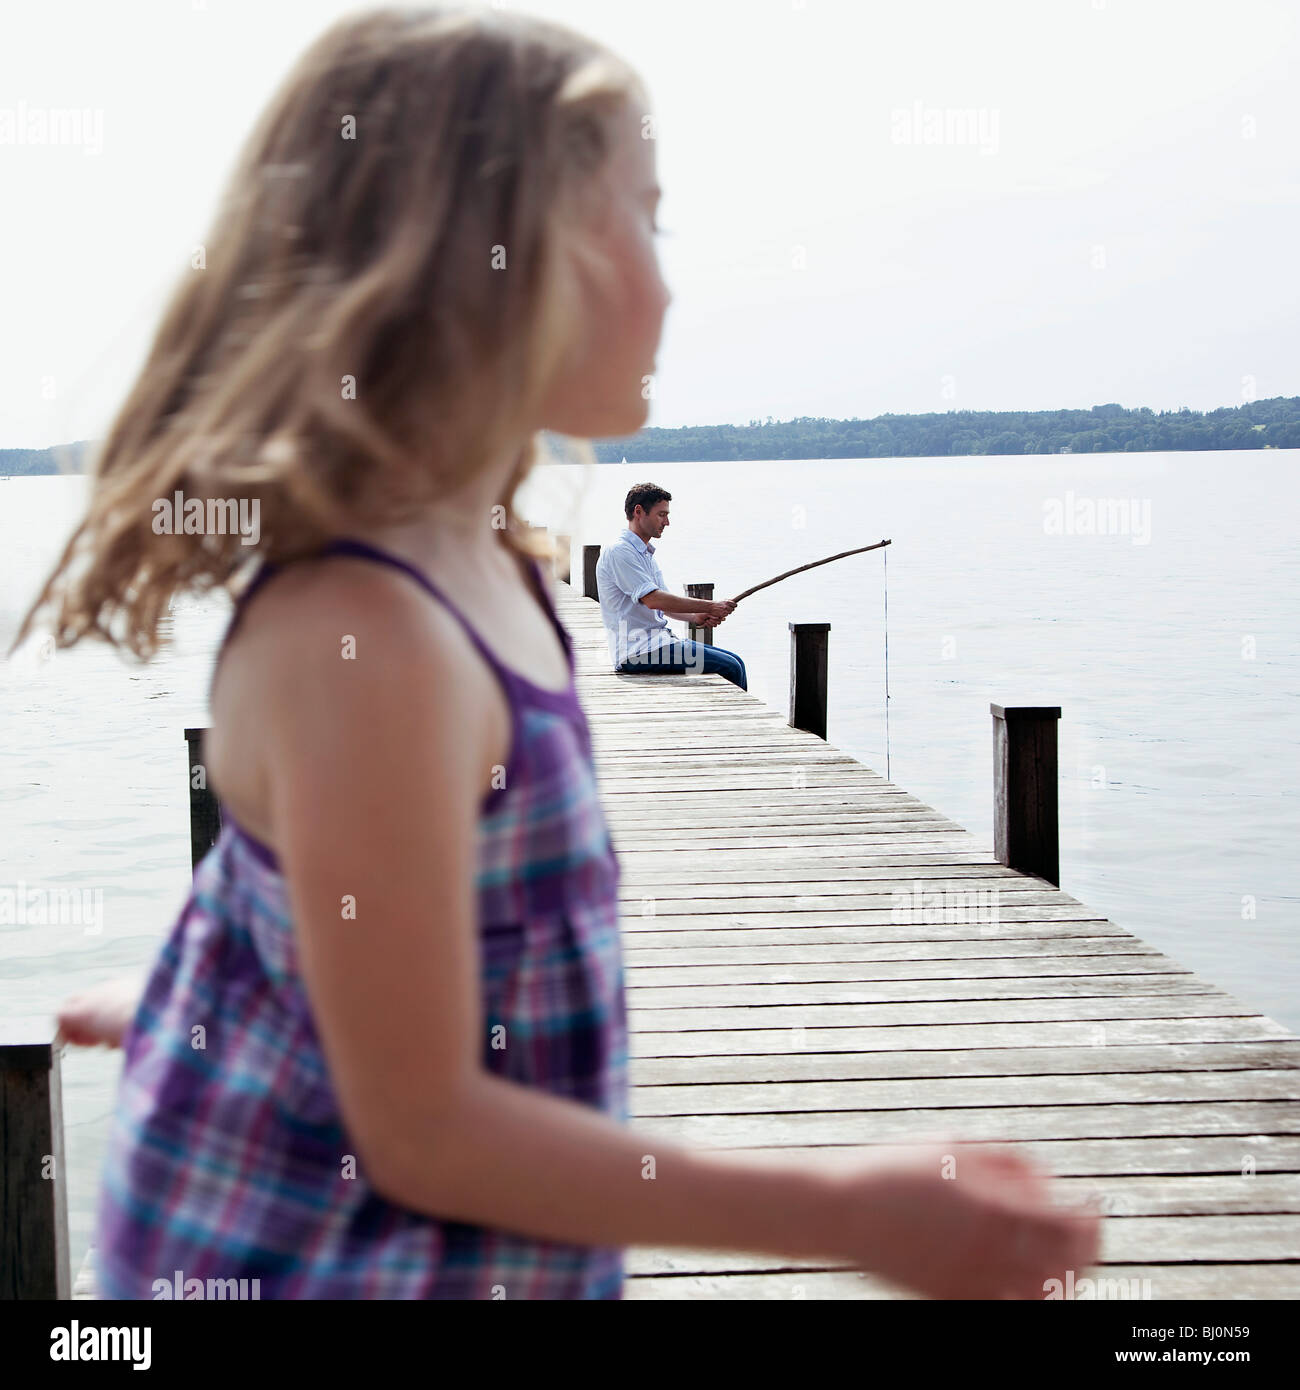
(100,1015)
(987,1231)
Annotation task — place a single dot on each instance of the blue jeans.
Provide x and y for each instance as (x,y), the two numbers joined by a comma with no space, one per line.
(699,658)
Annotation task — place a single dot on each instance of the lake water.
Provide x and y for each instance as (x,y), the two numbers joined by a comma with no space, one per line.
(1168,632)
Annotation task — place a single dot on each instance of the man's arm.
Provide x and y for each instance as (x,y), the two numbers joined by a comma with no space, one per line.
(625,574)
(692,609)
(670,605)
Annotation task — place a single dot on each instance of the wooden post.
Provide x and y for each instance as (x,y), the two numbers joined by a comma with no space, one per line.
(1026,833)
(34,1214)
(563,556)
(590,554)
(700,634)
(205,813)
(808,644)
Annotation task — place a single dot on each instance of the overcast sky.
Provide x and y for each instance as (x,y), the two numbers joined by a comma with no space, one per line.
(1115,219)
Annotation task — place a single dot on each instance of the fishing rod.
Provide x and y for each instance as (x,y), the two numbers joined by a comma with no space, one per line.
(812,566)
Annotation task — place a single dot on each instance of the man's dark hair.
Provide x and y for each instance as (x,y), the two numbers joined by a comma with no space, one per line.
(645,496)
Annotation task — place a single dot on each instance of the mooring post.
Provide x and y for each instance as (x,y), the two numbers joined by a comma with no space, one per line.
(205,813)
(590,554)
(563,547)
(808,644)
(1026,833)
(697,633)
(34,1215)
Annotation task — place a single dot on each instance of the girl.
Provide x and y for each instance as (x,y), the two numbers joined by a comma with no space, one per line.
(383,1052)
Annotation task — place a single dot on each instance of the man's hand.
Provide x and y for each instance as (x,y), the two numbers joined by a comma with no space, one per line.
(712,613)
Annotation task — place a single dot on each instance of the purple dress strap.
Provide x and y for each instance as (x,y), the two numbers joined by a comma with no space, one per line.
(511,677)
(345,545)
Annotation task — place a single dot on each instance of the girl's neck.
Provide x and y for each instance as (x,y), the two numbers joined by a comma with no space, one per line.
(443,543)
(455,533)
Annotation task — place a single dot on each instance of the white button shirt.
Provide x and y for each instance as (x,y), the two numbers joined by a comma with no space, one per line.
(625,572)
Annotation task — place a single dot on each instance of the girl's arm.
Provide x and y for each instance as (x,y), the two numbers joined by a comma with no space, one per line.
(100,1014)
(376,769)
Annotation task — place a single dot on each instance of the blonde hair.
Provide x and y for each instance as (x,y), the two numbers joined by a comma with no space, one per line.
(360,241)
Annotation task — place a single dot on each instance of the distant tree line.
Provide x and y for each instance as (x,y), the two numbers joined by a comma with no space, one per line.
(63,458)
(1270,424)
(1105,429)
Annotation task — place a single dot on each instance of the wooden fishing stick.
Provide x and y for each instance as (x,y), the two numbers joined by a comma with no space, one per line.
(811,566)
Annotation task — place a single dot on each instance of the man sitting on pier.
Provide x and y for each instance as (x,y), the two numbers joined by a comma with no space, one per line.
(634,602)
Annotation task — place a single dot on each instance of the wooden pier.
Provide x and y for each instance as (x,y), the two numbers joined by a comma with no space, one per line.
(811,960)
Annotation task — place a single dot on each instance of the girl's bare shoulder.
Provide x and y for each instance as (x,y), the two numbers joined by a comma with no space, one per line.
(329,646)
(317,612)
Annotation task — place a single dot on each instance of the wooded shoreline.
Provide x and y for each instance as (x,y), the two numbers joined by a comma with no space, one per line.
(1103,429)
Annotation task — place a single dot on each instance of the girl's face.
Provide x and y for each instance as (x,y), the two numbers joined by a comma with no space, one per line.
(605,388)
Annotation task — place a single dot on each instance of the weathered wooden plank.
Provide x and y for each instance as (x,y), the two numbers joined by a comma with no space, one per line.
(899,837)
(703,848)
(1174,1156)
(861,992)
(907,895)
(993,1124)
(954,850)
(1259,1194)
(871,833)
(806,822)
(807,953)
(1100,1009)
(1008,916)
(1018,968)
(754,780)
(743,753)
(740,774)
(843,833)
(1112,1281)
(790,764)
(810,950)
(1146,1238)
(644,857)
(1090,1038)
(682,931)
(718,704)
(915,902)
(859,879)
(922,829)
(651,1069)
(630,756)
(778,1097)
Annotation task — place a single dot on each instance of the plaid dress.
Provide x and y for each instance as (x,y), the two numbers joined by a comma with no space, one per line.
(228,1158)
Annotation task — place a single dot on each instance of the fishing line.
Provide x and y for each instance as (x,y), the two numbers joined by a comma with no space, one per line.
(886,558)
